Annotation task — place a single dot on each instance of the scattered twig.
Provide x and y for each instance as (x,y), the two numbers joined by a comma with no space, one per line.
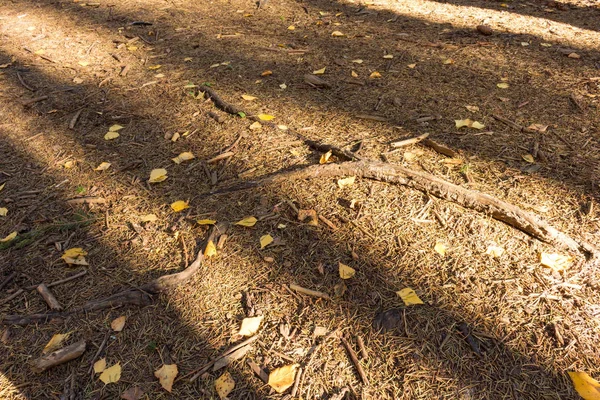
(258,371)
(296,382)
(40,55)
(361,346)
(410,141)
(29,102)
(58,357)
(12,296)
(26,86)
(60,281)
(464,330)
(75,118)
(309,292)
(48,297)
(327,222)
(440,148)
(8,279)
(512,124)
(354,358)
(99,351)
(220,157)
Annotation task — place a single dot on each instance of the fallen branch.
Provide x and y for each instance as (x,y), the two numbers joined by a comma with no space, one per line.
(48,297)
(29,102)
(309,292)
(354,358)
(410,141)
(58,357)
(512,124)
(139,296)
(430,184)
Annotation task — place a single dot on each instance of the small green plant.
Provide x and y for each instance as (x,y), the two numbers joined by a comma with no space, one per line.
(80,189)
(242,114)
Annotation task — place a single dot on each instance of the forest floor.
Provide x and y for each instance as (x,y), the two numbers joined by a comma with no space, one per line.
(491,326)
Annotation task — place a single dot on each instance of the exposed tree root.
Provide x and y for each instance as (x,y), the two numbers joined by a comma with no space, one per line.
(139,297)
(484,203)
(229,108)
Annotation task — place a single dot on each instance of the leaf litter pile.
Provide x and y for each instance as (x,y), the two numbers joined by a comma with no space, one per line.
(299,200)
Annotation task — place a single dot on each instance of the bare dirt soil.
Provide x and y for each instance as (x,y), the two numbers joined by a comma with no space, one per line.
(500,327)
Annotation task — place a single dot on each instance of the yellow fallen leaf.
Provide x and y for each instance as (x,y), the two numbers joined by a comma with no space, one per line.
(250,326)
(468,123)
(266,73)
(185,156)
(528,158)
(409,297)
(374,75)
(132,48)
(3,211)
(175,136)
(265,117)
(83,63)
(118,324)
(224,385)
(412,66)
(503,85)
(103,166)
(2,186)
(157,175)
(494,251)
(180,205)
(354,74)
(557,262)
(75,256)
(210,250)
(282,378)
(325,157)
(440,248)
(206,222)
(69,164)
(345,271)
(111,375)
(291,28)
(115,128)
(448,61)
(265,241)
(148,218)
(55,342)
(342,183)
(154,67)
(166,376)
(111,135)
(587,387)
(319,71)
(388,56)
(472,108)
(100,365)
(248,221)
(337,34)
(255,125)
(247,97)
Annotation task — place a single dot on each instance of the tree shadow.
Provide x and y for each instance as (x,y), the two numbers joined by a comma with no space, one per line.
(520,375)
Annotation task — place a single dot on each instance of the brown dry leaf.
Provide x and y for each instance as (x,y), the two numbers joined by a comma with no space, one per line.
(312,214)
(409,297)
(538,128)
(468,123)
(180,205)
(342,183)
(185,156)
(250,326)
(587,387)
(166,375)
(440,248)
(282,378)
(210,250)
(224,385)
(339,289)
(133,393)
(557,262)
(75,256)
(111,375)
(55,342)
(248,221)
(345,271)
(100,366)
(118,324)
(325,157)
(265,241)
(158,175)
(103,166)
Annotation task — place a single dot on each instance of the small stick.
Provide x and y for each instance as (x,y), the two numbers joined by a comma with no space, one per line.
(100,350)
(75,118)
(361,346)
(355,361)
(235,143)
(58,357)
(8,280)
(464,330)
(23,83)
(34,100)
(328,223)
(205,368)
(258,371)
(407,142)
(48,297)
(221,156)
(512,124)
(87,200)
(296,382)
(440,148)
(61,281)
(309,292)
(12,296)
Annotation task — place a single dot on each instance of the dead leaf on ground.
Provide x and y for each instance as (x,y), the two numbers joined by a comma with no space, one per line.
(210,250)
(9,237)
(319,71)
(265,117)
(111,135)
(494,251)
(148,218)
(206,222)
(342,183)
(133,393)
(587,387)
(3,211)
(325,157)
(75,256)
(538,128)
(282,378)
(339,289)
(248,222)
(468,123)
(255,126)
(115,128)
(529,158)
(157,175)
(118,324)
(409,297)
(166,375)
(337,34)
(250,326)
(247,97)
(503,85)
(345,271)
(265,241)
(55,342)
(180,205)
(472,108)
(100,366)
(312,214)
(224,385)
(111,375)
(440,248)
(266,73)
(185,156)
(103,166)
(375,75)
(557,262)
